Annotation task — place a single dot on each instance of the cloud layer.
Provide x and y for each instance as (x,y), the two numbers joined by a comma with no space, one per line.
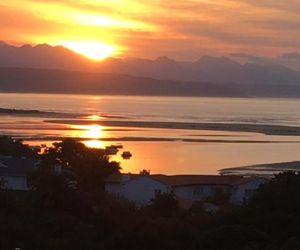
(180,29)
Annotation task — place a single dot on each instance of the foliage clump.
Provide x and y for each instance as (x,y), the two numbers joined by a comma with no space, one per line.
(68,209)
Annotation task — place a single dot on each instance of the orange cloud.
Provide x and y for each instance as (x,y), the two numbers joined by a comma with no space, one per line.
(181,29)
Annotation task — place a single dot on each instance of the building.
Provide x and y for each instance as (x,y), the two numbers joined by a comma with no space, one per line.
(142,188)
(13,172)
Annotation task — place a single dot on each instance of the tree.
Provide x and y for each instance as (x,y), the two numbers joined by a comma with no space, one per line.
(164,204)
(275,207)
(51,190)
(145,172)
(90,166)
(291,244)
(16,148)
(234,237)
(280,193)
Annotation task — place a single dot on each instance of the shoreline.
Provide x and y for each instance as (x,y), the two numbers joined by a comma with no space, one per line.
(276,97)
(148,139)
(232,127)
(266,169)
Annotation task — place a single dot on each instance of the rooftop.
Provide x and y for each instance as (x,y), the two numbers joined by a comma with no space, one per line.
(186,180)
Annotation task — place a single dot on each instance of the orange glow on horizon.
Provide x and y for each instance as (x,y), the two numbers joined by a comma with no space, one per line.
(183,30)
(91,50)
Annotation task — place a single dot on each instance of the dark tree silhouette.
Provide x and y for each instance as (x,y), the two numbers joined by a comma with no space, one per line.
(90,166)
(275,207)
(16,148)
(164,204)
(234,238)
(51,190)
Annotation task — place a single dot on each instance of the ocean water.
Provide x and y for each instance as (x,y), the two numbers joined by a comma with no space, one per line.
(188,109)
(169,151)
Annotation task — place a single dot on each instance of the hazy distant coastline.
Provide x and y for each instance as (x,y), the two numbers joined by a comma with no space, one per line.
(35,113)
(47,69)
(25,80)
(41,113)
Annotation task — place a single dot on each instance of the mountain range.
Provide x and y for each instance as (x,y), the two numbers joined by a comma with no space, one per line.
(44,68)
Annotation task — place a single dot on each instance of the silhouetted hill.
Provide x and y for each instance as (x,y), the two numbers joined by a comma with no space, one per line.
(270,74)
(60,81)
(208,76)
(206,69)
(42,56)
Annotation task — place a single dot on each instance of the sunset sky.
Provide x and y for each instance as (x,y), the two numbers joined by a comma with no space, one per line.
(142,28)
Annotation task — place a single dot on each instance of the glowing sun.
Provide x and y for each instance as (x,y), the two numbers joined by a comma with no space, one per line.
(92,50)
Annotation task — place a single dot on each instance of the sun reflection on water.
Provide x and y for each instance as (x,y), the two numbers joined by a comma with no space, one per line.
(92,133)
(96,98)
(94,117)
(94,144)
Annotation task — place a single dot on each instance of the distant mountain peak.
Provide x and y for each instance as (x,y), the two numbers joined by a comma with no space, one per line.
(210,61)
(166,61)
(222,59)
(26,46)
(218,69)
(43,46)
(3,43)
(291,56)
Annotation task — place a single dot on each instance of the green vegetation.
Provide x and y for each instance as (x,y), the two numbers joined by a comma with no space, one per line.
(68,209)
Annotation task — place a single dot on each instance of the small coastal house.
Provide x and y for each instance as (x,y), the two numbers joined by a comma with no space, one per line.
(142,188)
(13,172)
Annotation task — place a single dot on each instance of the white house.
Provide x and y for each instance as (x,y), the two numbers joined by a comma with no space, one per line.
(142,188)
(13,172)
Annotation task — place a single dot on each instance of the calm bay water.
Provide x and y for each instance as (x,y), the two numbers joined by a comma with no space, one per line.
(192,109)
(161,150)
